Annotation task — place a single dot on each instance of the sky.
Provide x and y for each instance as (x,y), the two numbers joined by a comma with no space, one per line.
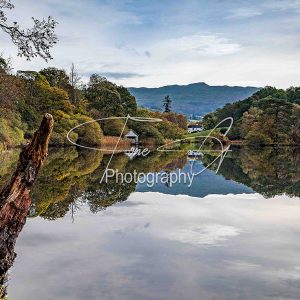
(154,43)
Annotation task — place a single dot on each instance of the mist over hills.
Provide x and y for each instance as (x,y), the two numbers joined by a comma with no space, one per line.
(195,99)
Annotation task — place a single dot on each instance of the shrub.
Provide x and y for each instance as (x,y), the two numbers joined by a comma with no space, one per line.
(89,134)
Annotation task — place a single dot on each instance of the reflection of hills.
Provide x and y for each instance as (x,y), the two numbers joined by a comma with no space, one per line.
(266,170)
(70,177)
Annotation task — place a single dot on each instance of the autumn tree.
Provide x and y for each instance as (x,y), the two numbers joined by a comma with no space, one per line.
(11,88)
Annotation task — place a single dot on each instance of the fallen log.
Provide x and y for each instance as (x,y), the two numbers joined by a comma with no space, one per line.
(15,199)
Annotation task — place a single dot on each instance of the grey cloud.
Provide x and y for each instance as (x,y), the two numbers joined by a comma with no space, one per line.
(121,75)
(123,46)
(113,75)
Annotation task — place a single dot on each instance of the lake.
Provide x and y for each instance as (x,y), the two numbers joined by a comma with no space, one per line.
(231,235)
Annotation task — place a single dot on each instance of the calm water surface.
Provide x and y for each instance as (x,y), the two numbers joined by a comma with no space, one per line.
(232,235)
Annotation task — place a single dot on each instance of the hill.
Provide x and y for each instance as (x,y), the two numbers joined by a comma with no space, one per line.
(269,117)
(192,99)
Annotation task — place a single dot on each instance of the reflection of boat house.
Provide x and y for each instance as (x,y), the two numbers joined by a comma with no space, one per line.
(195,154)
(133,137)
(132,153)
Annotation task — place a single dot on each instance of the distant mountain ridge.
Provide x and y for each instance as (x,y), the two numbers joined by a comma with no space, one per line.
(195,99)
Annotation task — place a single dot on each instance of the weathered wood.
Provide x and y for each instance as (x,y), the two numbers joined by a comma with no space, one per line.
(14,198)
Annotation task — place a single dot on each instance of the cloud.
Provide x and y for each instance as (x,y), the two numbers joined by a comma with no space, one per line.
(244,13)
(120,75)
(140,46)
(197,44)
(139,52)
(283,5)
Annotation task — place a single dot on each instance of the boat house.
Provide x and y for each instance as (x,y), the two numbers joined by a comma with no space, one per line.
(133,137)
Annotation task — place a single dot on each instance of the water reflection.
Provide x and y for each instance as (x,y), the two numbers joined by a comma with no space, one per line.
(70,177)
(269,171)
(126,244)
(155,246)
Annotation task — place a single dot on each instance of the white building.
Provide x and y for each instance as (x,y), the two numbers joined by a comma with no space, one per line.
(194,128)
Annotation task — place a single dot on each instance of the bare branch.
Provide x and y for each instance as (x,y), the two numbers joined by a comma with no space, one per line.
(32,42)
(74,76)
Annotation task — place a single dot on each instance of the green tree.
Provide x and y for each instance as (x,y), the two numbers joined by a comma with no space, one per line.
(167,103)
(293,94)
(113,127)
(56,77)
(89,134)
(106,99)
(128,101)
(103,96)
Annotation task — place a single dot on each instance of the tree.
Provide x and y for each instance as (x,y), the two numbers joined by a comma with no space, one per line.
(5,65)
(167,103)
(90,134)
(11,88)
(268,116)
(31,42)
(103,96)
(74,81)
(293,94)
(178,119)
(128,101)
(113,127)
(56,77)
(74,78)
(251,120)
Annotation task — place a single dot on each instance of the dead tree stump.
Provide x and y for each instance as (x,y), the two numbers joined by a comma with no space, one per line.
(14,198)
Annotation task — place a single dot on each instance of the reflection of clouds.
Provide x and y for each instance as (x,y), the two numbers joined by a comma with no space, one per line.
(203,235)
(289,274)
(242,265)
(199,221)
(265,273)
(156,246)
(170,219)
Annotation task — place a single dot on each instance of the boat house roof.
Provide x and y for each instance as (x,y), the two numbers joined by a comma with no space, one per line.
(131,133)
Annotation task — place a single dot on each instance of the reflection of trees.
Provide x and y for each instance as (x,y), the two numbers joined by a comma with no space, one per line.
(101,195)
(269,171)
(62,179)
(69,175)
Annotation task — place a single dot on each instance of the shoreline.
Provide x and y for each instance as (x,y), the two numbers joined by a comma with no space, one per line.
(110,147)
